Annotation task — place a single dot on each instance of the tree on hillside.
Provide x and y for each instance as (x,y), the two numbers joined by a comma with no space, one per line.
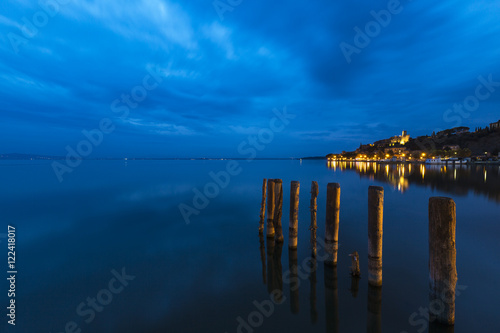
(466,152)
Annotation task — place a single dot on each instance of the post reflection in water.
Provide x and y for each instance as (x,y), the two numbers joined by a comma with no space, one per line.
(262,249)
(439,328)
(278,274)
(270,265)
(274,269)
(312,292)
(294,280)
(458,179)
(374,318)
(331,299)
(354,285)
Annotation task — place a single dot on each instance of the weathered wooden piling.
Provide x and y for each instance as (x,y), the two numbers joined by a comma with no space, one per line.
(374,315)
(332,222)
(270,208)
(375,234)
(278,205)
(263,207)
(355,264)
(294,214)
(314,224)
(294,280)
(442,259)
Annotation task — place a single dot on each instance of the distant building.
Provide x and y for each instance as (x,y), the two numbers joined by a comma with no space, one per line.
(495,126)
(401,139)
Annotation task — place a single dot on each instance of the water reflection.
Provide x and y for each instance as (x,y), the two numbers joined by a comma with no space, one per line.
(331,299)
(457,179)
(262,249)
(374,317)
(354,286)
(438,328)
(274,269)
(312,292)
(294,278)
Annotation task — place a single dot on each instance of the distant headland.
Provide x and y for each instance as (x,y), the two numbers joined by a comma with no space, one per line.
(459,143)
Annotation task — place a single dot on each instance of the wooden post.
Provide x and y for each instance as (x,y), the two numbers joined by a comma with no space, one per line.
(294,214)
(332,222)
(263,207)
(278,204)
(375,233)
(270,208)
(442,259)
(355,264)
(314,209)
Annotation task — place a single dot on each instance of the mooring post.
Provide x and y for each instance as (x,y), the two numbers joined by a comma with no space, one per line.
(278,205)
(442,259)
(263,207)
(332,222)
(270,208)
(314,209)
(375,233)
(355,264)
(294,214)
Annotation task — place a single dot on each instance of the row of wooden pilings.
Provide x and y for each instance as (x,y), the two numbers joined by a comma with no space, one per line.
(442,225)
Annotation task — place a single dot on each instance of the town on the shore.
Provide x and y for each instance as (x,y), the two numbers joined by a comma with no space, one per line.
(455,145)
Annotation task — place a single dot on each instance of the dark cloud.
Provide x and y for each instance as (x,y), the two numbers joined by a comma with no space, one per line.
(221,79)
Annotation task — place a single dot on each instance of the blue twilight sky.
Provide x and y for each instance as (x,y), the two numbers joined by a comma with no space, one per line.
(223,66)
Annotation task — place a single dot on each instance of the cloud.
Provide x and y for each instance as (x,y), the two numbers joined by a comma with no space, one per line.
(221,79)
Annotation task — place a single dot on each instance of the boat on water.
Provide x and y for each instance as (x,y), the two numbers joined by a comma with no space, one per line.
(435,160)
(439,160)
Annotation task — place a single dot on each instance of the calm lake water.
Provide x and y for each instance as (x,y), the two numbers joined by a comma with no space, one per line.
(215,274)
